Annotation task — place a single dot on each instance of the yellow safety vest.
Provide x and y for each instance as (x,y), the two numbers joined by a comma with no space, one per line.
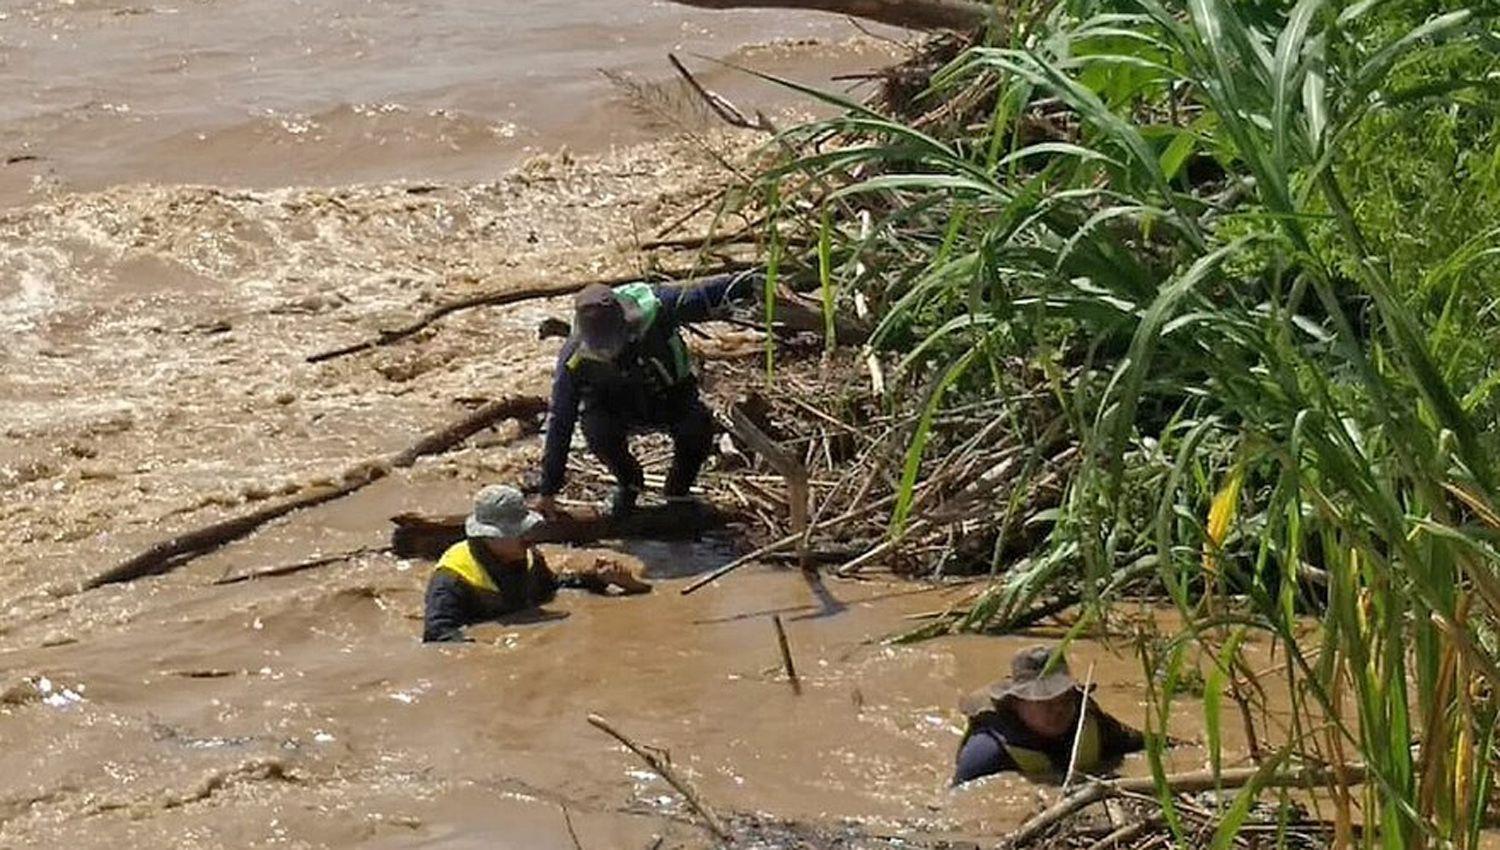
(1037,762)
(460,561)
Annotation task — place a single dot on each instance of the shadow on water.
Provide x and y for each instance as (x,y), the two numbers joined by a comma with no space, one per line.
(667,559)
(827,602)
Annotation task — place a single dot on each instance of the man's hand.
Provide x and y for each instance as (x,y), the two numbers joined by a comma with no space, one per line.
(620,576)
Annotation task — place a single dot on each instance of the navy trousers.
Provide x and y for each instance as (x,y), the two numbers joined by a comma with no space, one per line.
(689,423)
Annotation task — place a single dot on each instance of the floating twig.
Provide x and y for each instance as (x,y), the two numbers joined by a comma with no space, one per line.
(786,655)
(302,566)
(670,774)
(572,833)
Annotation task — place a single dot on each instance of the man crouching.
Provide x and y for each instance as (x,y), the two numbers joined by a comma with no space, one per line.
(494,571)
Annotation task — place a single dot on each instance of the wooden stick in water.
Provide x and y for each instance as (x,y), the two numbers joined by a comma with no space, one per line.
(572,833)
(1191,782)
(786,655)
(787,542)
(667,772)
(1083,713)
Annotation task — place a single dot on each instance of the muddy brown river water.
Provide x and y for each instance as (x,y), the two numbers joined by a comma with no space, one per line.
(152,379)
(293,92)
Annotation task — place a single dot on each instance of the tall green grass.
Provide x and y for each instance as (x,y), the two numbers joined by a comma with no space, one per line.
(1281,377)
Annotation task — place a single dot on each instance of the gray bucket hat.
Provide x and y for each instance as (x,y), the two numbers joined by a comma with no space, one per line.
(1029,680)
(500,511)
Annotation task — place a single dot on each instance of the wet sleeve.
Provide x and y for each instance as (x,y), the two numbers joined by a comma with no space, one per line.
(562,415)
(981,753)
(543,582)
(710,298)
(445,609)
(1115,738)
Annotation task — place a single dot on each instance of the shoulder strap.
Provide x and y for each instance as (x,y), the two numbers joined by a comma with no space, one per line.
(641,296)
(460,561)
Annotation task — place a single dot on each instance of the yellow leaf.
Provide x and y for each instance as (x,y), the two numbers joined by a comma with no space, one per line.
(1221,514)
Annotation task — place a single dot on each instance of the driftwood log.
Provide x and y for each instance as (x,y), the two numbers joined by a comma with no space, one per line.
(1180,783)
(176,551)
(492,298)
(913,14)
(419,536)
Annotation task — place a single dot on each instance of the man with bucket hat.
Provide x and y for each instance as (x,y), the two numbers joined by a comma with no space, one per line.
(625,370)
(494,571)
(1028,722)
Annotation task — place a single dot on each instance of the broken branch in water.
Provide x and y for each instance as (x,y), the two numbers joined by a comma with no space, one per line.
(785,543)
(1191,782)
(176,551)
(302,566)
(572,833)
(721,106)
(509,295)
(670,774)
(786,655)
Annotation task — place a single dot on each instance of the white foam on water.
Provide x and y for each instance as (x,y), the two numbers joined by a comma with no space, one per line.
(35,297)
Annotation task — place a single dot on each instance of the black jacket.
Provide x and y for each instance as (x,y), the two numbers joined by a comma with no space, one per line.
(453,603)
(1115,739)
(628,388)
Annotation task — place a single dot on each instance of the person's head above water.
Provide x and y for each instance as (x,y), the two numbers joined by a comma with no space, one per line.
(602,320)
(500,520)
(1045,698)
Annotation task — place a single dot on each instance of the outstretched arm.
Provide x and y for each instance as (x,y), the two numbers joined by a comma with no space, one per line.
(1115,737)
(562,415)
(710,298)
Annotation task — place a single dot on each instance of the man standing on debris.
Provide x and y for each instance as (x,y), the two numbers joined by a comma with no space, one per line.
(625,370)
(494,571)
(1029,721)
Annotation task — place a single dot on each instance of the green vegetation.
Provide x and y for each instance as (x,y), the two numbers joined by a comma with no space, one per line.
(1251,252)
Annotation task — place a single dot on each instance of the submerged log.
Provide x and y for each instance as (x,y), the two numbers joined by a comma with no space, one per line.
(914,14)
(419,536)
(176,551)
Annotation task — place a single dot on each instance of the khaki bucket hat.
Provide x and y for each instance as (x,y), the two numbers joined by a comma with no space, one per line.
(1029,680)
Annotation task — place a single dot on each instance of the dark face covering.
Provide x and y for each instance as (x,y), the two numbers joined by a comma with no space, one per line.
(600,319)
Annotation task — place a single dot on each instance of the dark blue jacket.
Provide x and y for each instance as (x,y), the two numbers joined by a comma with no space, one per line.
(623,393)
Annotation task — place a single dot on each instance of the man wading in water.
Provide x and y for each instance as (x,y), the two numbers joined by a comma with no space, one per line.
(494,571)
(625,370)
(1028,721)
